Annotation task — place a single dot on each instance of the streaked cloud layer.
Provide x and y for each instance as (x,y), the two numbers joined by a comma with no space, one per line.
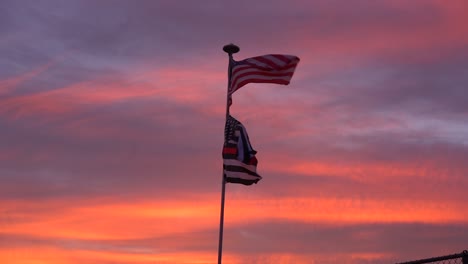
(112,115)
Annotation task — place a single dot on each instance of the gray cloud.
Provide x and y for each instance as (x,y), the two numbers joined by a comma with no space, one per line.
(136,154)
(407,241)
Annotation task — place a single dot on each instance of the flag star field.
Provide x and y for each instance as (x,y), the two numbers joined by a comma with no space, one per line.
(112,118)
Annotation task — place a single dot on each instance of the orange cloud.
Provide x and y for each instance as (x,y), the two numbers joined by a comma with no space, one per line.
(60,255)
(114,221)
(143,219)
(178,86)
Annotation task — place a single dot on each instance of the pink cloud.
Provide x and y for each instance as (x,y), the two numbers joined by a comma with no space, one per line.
(9,84)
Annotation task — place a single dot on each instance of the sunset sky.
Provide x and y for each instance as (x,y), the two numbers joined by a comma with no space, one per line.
(112,118)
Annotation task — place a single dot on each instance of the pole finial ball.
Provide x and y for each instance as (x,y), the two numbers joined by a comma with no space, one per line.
(231,48)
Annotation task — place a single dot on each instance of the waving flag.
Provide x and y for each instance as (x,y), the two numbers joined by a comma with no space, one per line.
(239,161)
(273,68)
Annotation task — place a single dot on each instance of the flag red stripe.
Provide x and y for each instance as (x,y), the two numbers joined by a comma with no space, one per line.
(276,81)
(281,78)
(274,61)
(284,58)
(287,74)
(229,150)
(266,61)
(237,69)
(259,73)
(273,68)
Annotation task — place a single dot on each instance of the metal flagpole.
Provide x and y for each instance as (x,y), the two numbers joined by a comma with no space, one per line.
(229,49)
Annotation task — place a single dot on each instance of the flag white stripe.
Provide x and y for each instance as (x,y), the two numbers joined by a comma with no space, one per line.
(254,70)
(261,77)
(240,175)
(233,162)
(258,69)
(240,80)
(276,61)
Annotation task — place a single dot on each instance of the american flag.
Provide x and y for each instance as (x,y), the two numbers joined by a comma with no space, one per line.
(273,68)
(239,161)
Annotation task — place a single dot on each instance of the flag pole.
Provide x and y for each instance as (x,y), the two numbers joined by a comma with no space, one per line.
(229,49)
